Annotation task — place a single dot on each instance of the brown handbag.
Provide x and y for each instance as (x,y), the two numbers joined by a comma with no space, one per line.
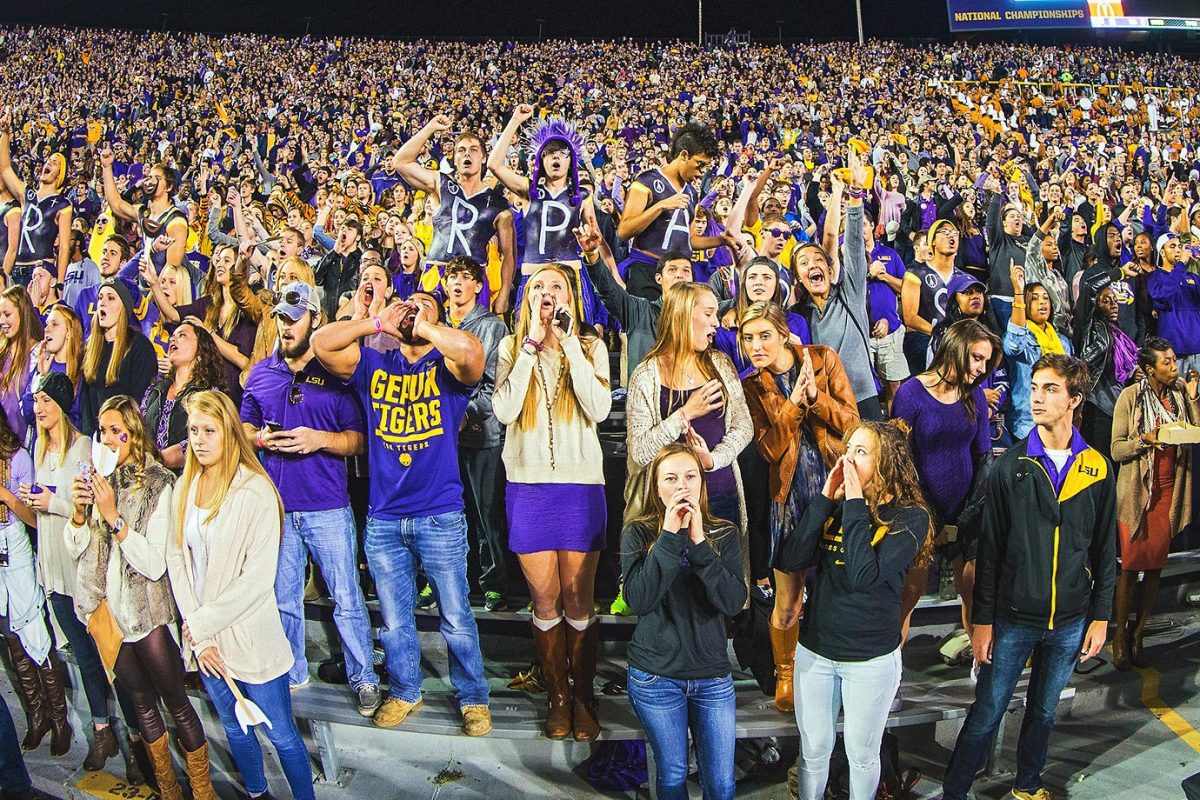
(102,625)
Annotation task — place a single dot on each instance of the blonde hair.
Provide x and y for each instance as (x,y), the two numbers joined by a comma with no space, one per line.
(94,349)
(566,405)
(73,346)
(236,451)
(298,265)
(67,434)
(216,294)
(140,445)
(674,343)
(184,294)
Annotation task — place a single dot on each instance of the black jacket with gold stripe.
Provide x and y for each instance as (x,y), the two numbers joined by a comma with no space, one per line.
(1046,558)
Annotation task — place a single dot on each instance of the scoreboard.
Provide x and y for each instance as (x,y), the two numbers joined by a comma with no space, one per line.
(983,15)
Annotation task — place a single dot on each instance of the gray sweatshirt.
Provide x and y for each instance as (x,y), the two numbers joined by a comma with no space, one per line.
(481,428)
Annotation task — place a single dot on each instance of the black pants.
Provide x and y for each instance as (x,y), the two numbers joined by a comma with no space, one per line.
(483,494)
(869,409)
(151,669)
(756,488)
(1096,429)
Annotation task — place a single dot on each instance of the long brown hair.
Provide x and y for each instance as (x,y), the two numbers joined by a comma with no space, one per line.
(14,352)
(216,294)
(655,512)
(566,405)
(236,451)
(208,367)
(94,349)
(673,346)
(896,477)
(952,361)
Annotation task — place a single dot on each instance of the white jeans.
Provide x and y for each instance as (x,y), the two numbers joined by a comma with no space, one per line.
(865,689)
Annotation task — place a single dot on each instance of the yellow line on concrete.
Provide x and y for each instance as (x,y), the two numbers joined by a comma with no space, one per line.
(109,787)
(1166,715)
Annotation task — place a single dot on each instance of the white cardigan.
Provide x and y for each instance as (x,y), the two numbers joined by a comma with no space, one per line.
(577,455)
(237,611)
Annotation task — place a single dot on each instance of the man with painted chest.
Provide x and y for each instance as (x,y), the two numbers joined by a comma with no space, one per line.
(415,398)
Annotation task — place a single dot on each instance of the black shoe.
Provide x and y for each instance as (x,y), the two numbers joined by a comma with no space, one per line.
(494,601)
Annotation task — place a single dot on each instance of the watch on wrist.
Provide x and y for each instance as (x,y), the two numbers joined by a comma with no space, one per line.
(118,524)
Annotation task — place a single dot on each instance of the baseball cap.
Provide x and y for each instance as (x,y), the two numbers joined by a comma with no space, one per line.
(1166,237)
(935,227)
(294,300)
(961,282)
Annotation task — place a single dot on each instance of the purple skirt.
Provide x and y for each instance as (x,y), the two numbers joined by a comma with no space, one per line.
(556,516)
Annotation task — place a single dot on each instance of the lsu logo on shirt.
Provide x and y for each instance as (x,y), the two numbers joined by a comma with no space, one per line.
(409,408)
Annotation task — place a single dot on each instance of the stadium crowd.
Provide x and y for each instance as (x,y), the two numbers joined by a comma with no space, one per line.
(871,312)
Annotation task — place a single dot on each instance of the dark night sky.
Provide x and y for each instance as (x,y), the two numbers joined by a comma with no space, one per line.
(802,19)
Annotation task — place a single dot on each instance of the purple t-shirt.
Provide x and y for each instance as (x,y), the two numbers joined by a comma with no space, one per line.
(881,300)
(413,412)
(317,481)
(711,428)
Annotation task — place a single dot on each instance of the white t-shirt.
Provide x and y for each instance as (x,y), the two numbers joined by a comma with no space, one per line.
(1059,457)
(195,534)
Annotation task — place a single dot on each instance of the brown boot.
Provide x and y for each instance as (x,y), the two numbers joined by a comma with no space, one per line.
(552,655)
(164,770)
(581,653)
(137,764)
(56,705)
(28,684)
(198,774)
(104,746)
(1122,601)
(783,649)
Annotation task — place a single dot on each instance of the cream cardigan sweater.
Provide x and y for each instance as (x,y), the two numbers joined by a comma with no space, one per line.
(577,455)
(237,612)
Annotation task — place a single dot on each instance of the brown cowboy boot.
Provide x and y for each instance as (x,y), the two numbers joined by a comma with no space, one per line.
(581,651)
(28,684)
(164,770)
(783,649)
(552,655)
(56,703)
(198,774)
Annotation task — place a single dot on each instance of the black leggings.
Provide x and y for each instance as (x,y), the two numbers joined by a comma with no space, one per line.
(151,669)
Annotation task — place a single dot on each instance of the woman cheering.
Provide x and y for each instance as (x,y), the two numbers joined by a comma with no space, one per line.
(551,391)
(222,556)
(682,571)
(861,533)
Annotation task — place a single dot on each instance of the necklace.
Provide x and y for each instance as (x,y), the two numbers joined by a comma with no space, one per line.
(550,400)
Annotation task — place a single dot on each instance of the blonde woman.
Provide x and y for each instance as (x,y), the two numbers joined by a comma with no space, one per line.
(60,350)
(222,554)
(60,448)
(687,390)
(118,533)
(552,389)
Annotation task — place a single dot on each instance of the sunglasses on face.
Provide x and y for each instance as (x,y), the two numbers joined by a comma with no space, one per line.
(777,231)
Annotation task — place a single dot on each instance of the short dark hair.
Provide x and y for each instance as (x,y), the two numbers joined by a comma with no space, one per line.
(441,309)
(1151,347)
(1072,369)
(668,257)
(465,264)
(355,223)
(696,138)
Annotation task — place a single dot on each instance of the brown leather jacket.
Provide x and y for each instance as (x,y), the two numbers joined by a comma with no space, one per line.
(777,419)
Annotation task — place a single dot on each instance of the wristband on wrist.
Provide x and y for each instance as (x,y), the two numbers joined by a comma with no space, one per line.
(856,192)
(532,343)
(378,325)
(591,256)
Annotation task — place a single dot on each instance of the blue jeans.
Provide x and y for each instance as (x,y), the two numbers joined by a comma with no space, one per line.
(275,700)
(865,690)
(1003,309)
(331,538)
(726,507)
(668,708)
(13,775)
(1055,653)
(439,543)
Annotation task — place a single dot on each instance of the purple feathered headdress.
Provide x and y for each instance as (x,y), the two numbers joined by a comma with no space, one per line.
(549,130)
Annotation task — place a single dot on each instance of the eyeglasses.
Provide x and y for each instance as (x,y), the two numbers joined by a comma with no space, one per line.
(777,231)
(295,394)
